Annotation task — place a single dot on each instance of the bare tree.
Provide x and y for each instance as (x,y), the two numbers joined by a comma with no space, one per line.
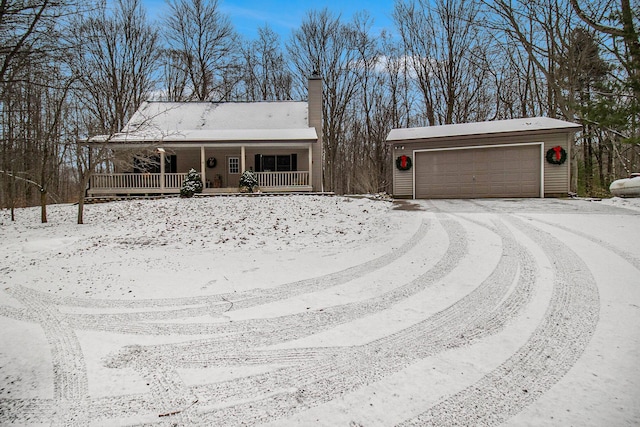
(203,49)
(49,132)
(542,29)
(266,72)
(174,78)
(33,90)
(115,57)
(616,22)
(571,81)
(366,155)
(617,19)
(396,68)
(325,45)
(445,45)
(583,73)
(24,30)
(517,83)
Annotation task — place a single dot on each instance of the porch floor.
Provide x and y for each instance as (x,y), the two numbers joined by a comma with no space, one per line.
(112,198)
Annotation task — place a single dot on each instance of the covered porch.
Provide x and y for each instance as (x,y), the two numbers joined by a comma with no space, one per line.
(279,168)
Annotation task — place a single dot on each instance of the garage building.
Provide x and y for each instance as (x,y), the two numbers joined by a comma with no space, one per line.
(505,158)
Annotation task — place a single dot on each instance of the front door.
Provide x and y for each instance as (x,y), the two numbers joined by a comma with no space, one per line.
(232,171)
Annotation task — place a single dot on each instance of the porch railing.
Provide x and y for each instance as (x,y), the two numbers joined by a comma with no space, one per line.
(136,180)
(282,179)
(173,181)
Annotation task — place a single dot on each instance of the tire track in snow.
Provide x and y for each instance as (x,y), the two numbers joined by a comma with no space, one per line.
(314,376)
(220,303)
(319,375)
(169,394)
(554,347)
(70,381)
(270,331)
(133,323)
(633,260)
(70,353)
(27,411)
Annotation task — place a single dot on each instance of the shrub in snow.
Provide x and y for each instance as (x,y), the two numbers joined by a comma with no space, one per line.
(248,181)
(192,184)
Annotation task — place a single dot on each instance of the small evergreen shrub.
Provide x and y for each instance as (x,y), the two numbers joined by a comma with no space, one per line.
(248,181)
(192,184)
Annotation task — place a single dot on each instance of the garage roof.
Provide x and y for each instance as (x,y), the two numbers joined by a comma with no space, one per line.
(532,125)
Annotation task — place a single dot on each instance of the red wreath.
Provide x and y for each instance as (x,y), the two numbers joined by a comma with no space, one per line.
(556,155)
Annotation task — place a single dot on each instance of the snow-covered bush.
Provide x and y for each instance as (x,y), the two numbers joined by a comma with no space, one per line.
(192,184)
(248,181)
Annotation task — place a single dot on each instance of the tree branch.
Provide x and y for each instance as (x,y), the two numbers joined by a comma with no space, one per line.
(593,24)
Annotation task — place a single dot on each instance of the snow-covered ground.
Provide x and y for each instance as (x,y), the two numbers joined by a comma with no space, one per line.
(312,310)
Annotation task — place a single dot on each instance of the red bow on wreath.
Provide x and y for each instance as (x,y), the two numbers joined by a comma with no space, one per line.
(556,155)
(403,162)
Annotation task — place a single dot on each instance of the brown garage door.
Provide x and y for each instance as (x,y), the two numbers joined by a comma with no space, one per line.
(505,171)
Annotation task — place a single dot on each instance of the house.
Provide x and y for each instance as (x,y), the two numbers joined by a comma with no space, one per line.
(506,158)
(280,141)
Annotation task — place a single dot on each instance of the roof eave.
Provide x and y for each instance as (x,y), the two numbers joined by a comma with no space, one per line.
(218,143)
(422,138)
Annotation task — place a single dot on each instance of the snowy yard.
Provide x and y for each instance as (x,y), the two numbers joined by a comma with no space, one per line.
(310,310)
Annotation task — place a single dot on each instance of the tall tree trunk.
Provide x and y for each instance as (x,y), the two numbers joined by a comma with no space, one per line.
(588,163)
(43,205)
(600,159)
(81,208)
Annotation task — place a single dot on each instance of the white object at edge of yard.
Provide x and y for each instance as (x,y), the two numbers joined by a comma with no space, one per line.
(626,187)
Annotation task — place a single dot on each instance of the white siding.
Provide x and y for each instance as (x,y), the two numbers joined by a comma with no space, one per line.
(556,177)
(402,180)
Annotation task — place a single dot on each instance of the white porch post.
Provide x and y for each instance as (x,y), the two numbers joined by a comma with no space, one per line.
(310,168)
(162,169)
(243,162)
(203,163)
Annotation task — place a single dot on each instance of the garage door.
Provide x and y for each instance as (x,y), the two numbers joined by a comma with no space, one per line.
(504,171)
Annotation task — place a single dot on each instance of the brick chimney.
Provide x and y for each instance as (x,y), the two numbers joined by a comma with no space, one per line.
(315,120)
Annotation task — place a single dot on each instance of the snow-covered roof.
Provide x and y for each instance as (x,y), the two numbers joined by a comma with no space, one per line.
(218,135)
(209,121)
(533,124)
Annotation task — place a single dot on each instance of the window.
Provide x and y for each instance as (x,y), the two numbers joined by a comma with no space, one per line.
(170,163)
(283,163)
(234,164)
(268,164)
(152,164)
(279,163)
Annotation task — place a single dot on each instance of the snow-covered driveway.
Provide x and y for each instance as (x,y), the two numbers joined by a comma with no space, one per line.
(308,310)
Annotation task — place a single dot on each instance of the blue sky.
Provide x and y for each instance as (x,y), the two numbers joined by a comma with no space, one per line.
(285,15)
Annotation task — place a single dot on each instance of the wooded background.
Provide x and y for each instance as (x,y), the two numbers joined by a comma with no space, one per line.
(70,70)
